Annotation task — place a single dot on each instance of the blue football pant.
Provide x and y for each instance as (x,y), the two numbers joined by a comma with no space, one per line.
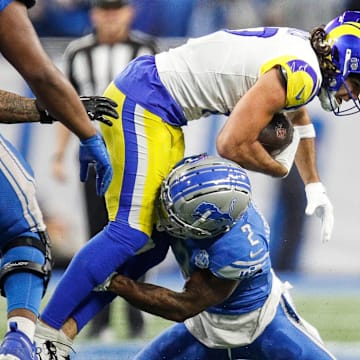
(282,339)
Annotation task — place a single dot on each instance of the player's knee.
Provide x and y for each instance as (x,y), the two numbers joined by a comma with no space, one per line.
(26,254)
(126,237)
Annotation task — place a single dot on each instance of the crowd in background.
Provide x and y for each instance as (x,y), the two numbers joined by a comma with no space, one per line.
(179,18)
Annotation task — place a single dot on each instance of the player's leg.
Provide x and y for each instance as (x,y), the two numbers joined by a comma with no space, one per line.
(134,268)
(177,343)
(136,147)
(142,149)
(286,337)
(25,253)
(61,340)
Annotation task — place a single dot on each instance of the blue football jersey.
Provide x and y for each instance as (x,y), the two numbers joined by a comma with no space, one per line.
(240,254)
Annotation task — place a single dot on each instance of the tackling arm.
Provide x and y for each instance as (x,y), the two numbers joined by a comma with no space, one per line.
(201,291)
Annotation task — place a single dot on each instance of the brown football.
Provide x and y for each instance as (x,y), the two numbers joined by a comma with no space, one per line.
(277,135)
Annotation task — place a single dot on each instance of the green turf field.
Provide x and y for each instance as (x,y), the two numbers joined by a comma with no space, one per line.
(337,317)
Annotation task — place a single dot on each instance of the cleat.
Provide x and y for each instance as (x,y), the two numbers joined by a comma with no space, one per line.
(16,345)
(51,344)
(49,350)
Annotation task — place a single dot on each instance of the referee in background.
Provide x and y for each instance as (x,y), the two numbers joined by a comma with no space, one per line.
(91,62)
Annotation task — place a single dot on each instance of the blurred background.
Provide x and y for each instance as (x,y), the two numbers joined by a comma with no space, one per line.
(325,276)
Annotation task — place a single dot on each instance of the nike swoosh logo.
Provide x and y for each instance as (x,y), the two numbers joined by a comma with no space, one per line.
(300,93)
(255,253)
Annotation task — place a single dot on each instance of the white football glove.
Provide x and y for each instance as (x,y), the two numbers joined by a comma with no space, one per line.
(318,202)
(287,156)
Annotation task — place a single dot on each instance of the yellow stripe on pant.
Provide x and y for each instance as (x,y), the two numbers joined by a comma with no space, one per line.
(143,149)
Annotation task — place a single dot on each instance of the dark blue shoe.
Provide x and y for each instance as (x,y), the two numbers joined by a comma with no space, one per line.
(17,346)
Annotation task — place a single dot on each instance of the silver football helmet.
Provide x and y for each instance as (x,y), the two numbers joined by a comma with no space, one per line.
(202,197)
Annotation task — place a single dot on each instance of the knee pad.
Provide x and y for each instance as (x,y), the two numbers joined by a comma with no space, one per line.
(42,270)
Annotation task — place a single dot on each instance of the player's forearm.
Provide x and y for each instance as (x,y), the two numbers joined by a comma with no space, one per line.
(252,156)
(154,299)
(51,88)
(305,161)
(17,109)
(61,100)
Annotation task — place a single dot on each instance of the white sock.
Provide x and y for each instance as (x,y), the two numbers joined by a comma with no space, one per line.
(24,325)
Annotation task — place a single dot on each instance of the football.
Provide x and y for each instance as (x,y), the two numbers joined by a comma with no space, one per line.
(277,135)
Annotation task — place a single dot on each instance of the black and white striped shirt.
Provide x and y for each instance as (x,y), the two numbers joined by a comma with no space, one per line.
(91,66)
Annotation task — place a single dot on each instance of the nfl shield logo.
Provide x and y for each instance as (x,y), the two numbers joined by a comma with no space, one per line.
(202,259)
(280,131)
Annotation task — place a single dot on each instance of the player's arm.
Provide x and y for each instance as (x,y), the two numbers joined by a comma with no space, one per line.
(237,140)
(200,291)
(21,46)
(305,158)
(17,109)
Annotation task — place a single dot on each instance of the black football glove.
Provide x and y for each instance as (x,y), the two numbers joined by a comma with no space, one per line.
(99,106)
(96,107)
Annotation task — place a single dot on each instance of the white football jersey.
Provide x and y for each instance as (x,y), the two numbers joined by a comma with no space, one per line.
(211,73)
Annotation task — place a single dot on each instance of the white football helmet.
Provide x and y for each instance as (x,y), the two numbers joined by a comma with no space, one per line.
(202,197)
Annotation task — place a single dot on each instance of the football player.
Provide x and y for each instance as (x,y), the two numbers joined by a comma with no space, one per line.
(232,305)
(26,262)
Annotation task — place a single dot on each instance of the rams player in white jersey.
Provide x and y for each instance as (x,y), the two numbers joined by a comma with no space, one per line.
(248,74)
(232,306)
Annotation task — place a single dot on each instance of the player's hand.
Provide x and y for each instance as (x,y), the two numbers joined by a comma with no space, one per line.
(96,107)
(319,203)
(99,106)
(287,156)
(93,151)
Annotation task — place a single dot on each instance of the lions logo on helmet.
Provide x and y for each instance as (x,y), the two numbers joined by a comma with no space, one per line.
(202,197)
(343,35)
(211,211)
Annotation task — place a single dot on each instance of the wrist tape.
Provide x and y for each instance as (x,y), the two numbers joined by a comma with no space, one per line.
(306,131)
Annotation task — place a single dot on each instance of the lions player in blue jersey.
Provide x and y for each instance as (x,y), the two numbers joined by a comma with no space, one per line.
(260,72)
(232,306)
(26,264)
(25,253)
